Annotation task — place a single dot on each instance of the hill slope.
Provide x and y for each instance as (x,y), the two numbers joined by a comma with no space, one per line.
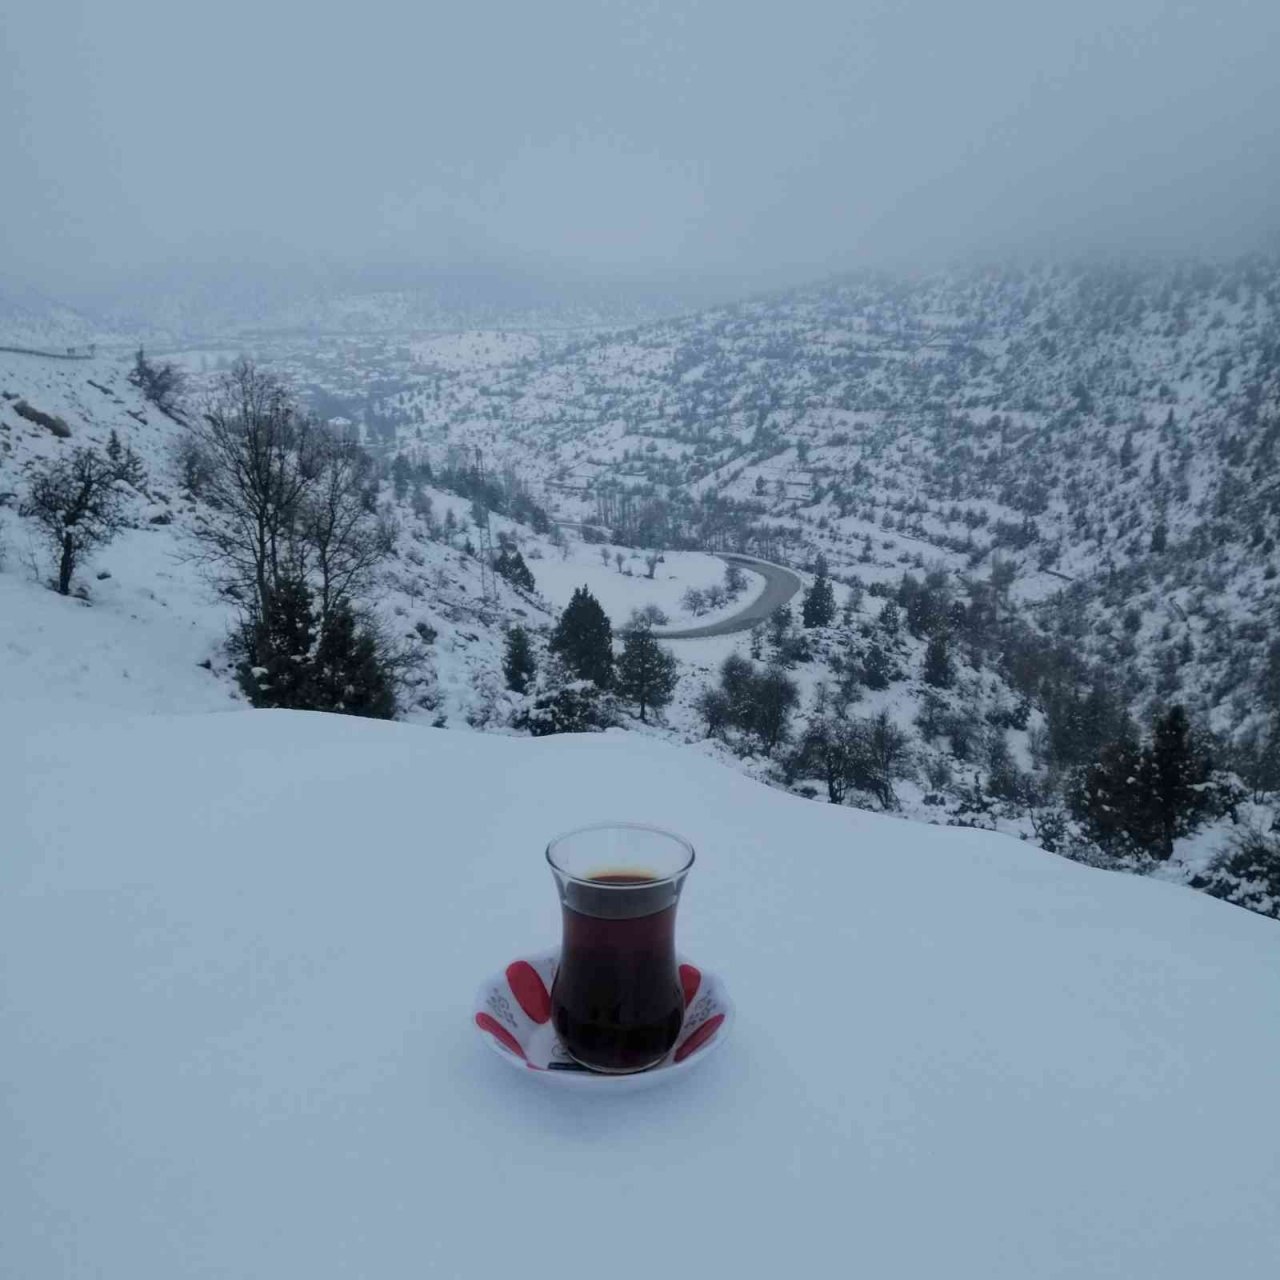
(953,1052)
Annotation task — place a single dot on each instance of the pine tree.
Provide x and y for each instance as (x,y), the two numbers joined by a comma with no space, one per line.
(876,668)
(401,474)
(1127,451)
(511,566)
(276,668)
(819,606)
(1106,798)
(584,639)
(350,676)
(518,665)
(1269,685)
(1142,799)
(938,670)
(647,673)
(1173,773)
(562,704)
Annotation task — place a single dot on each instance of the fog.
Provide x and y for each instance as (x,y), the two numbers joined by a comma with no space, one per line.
(649,140)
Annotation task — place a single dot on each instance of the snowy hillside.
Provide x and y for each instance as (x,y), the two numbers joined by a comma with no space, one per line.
(28,319)
(1063,478)
(944,445)
(145,629)
(1110,434)
(237,954)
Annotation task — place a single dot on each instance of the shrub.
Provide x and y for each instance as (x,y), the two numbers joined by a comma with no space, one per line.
(1247,873)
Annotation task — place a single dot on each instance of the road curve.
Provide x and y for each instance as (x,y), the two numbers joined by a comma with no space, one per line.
(779,586)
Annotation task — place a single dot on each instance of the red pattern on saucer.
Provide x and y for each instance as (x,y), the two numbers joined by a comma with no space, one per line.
(513,1010)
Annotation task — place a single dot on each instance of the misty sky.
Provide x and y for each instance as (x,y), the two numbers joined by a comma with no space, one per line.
(645,139)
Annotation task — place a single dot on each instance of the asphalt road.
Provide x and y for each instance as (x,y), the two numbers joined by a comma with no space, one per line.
(779,586)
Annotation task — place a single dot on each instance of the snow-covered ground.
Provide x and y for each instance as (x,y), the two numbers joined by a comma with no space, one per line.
(475,348)
(237,953)
(621,591)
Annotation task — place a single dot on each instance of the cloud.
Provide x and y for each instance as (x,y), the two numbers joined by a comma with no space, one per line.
(643,139)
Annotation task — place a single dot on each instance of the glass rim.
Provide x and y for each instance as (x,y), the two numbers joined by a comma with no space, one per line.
(620,826)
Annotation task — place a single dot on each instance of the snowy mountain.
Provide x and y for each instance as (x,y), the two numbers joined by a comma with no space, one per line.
(183,306)
(1042,498)
(28,319)
(237,954)
(1091,452)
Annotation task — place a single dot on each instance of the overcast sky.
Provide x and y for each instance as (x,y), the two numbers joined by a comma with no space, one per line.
(645,138)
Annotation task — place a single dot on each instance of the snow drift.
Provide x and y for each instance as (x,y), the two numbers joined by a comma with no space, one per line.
(237,952)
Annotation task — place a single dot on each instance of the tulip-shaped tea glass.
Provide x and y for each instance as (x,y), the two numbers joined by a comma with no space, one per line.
(616,1000)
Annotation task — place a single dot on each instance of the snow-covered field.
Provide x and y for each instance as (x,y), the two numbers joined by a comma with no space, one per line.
(619,592)
(237,953)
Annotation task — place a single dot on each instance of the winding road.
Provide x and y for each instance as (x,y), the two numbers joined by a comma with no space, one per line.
(779,586)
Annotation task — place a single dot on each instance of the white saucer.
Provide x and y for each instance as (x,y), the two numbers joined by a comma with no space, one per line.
(513,1014)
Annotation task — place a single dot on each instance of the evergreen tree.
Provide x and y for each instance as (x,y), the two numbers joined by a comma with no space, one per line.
(877,670)
(510,565)
(890,619)
(1141,799)
(1127,451)
(938,670)
(584,639)
(275,668)
(819,606)
(401,474)
(647,673)
(518,664)
(349,674)
(1174,773)
(562,704)
(1269,685)
(1106,799)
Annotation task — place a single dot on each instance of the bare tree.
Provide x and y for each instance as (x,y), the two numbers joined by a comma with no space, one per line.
(78,503)
(887,755)
(339,535)
(262,461)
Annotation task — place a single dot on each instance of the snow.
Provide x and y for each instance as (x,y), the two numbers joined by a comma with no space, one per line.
(619,593)
(131,650)
(237,952)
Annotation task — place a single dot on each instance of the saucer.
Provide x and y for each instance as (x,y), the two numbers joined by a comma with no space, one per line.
(513,1013)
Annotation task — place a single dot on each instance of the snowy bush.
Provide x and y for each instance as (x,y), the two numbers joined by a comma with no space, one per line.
(1247,873)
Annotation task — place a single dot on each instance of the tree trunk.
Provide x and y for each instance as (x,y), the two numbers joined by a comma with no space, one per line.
(66,564)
